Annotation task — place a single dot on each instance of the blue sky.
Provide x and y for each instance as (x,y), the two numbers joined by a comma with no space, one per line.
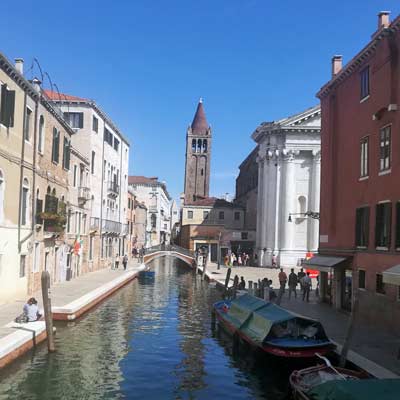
(146,63)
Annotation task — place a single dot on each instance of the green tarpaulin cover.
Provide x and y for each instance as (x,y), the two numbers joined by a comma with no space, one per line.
(381,389)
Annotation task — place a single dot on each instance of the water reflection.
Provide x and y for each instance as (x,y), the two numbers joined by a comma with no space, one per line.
(152,340)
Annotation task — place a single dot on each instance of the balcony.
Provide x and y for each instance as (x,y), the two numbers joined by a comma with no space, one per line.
(112,189)
(83,195)
(94,224)
(109,226)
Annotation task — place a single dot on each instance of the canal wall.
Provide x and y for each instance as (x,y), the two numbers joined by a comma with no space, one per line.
(16,339)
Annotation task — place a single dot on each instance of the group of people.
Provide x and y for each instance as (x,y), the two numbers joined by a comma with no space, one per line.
(118,259)
(30,312)
(241,259)
(138,253)
(294,279)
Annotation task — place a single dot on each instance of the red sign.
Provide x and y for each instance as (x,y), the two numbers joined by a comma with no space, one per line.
(313,273)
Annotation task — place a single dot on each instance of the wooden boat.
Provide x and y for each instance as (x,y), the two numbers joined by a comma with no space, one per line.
(350,388)
(304,380)
(271,328)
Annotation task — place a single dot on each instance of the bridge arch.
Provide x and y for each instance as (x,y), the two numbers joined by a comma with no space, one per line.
(186,258)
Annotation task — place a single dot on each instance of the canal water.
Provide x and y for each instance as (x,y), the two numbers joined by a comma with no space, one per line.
(152,340)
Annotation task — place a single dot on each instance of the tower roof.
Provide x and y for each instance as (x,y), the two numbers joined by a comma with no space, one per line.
(199,125)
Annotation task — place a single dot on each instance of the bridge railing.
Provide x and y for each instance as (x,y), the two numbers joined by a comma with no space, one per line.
(169,247)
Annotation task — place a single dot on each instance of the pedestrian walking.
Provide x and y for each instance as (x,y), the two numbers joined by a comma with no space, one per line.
(306,283)
(274,261)
(242,283)
(292,283)
(125,261)
(282,279)
(300,276)
(116,261)
(239,260)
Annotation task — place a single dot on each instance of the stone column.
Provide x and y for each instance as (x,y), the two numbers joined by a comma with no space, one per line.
(260,201)
(271,208)
(264,222)
(278,167)
(313,234)
(288,201)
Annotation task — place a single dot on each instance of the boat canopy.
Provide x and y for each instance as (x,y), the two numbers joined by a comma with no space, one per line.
(382,389)
(261,320)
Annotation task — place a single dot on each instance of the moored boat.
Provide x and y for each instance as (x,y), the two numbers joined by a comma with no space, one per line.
(271,328)
(304,380)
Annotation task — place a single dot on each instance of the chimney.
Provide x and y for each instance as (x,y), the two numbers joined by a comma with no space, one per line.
(36,84)
(383,19)
(337,63)
(19,65)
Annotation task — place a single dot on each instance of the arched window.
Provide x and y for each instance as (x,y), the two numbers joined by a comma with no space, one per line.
(2,190)
(199,145)
(205,146)
(25,202)
(153,220)
(48,190)
(41,134)
(194,146)
(302,207)
(53,193)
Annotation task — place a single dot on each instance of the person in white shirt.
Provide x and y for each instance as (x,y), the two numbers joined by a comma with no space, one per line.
(306,285)
(31,310)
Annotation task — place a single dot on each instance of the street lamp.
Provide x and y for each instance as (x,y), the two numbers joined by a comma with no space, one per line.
(312,214)
(219,250)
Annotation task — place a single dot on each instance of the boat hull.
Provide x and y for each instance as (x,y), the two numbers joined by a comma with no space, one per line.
(275,350)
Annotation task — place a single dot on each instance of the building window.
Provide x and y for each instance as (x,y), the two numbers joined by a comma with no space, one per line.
(22,266)
(380,286)
(364,157)
(24,203)
(205,146)
(66,153)
(245,235)
(364,83)
(397,243)
(190,214)
(382,225)
(90,248)
(362,226)
(93,161)
(361,279)
(193,145)
(385,148)
(2,184)
(74,119)
(221,215)
(237,215)
(205,214)
(7,105)
(95,124)
(69,221)
(75,175)
(153,220)
(55,153)
(108,136)
(41,135)
(28,118)
(36,261)
(116,144)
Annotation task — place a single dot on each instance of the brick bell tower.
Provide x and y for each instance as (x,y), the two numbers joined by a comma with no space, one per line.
(198,157)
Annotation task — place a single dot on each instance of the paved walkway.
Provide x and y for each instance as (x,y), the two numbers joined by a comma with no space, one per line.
(61,293)
(368,341)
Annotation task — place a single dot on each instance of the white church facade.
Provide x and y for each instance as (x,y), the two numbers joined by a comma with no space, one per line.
(289,164)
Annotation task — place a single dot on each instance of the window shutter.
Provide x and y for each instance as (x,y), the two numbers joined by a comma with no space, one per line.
(81,120)
(388,217)
(357,226)
(39,209)
(57,146)
(10,103)
(3,104)
(366,226)
(397,225)
(378,225)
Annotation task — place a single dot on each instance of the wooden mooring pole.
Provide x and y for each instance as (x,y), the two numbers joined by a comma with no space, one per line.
(350,330)
(48,316)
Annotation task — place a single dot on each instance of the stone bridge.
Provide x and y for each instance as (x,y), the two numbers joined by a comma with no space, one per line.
(162,250)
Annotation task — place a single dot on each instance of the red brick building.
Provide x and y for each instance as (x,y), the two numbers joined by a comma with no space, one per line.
(360,175)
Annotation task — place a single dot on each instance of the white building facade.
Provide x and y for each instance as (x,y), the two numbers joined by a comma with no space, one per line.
(99,140)
(156,198)
(289,163)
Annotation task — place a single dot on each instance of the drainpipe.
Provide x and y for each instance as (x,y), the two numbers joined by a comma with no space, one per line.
(101,197)
(21,176)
